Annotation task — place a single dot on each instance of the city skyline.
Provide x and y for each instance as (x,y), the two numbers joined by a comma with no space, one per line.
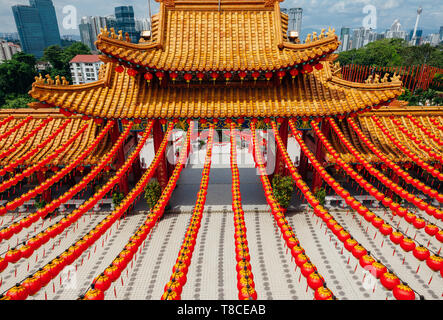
(336,14)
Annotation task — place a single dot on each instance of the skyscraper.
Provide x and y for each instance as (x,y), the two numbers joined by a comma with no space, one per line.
(90,28)
(37,26)
(125,21)
(441,33)
(345,39)
(396,32)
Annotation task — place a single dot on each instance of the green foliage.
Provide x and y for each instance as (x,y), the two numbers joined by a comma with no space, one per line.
(393,53)
(40,203)
(153,192)
(117,198)
(320,194)
(422,98)
(16,101)
(283,187)
(59,58)
(16,76)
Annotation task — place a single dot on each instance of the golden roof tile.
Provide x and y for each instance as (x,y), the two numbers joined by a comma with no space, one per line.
(119,95)
(38,116)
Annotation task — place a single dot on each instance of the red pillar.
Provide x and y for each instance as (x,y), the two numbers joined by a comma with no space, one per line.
(303,167)
(162,170)
(137,167)
(46,195)
(120,160)
(280,166)
(320,154)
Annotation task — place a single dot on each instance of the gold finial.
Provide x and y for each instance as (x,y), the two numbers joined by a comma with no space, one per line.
(377,78)
(128,39)
(308,38)
(385,78)
(49,79)
(322,34)
(64,81)
(113,35)
(396,77)
(120,35)
(314,36)
(57,80)
(106,32)
(369,79)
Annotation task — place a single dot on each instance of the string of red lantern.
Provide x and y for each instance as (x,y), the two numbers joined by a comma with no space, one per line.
(11,205)
(52,269)
(6,120)
(27,172)
(422,205)
(396,209)
(33,151)
(26,222)
(406,243)
(102,282)
(425,130)
(245,277)
(177,281)
(401,291)
(314,280)
(14,255)
(427,167)
(399,171)
(436,123)
(15,128)
(417,141)
(26,138)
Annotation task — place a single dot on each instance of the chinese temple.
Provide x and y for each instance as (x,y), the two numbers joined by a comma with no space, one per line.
(232,65)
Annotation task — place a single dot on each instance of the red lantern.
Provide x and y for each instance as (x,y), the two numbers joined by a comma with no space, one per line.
(293,73)
(319,66)
(17,292)
(421,253)
(160,75)
(32,285)
(385,229)
(378,269)
(255,75)
(200,76)
(358,251)
(188,77)
(434,262)
(173,75)
(102,282)
(389,280)
(350,244)
(366,260)
(323,293)
(228,76)
(214,75)
(407,244)
(148,76)
(307,268)
(315,280)
(281,74)
(402,292)
(119,69)
(396,237)
(94,294)
(13,255)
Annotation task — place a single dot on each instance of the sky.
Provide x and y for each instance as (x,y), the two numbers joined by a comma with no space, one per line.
(317,14)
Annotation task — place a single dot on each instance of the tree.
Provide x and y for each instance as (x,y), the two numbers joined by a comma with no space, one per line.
(283,187)
(16,76)
(59,58)
(153,192)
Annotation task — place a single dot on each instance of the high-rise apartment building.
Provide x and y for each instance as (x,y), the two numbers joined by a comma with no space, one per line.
(37,26)
(89,28)
(125,21)
(85,68)
(345,39)
(7,50)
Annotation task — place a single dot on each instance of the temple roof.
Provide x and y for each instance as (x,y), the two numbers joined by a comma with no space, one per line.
(198,36)
(382,142)
(118,95)
(38,116)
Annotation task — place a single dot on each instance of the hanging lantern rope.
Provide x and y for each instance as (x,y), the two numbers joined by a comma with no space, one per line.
(245,277)
(15,128)
(425,130)
(114,271)
(57,177)
(33,151)
(395,208)
(428,168)
(422,205)
(69,256)
(6,120)
(359,252)
(41,164)
(178,278)
(417,141)
(399,171)
(299,254)
(405,242)
(25,138)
